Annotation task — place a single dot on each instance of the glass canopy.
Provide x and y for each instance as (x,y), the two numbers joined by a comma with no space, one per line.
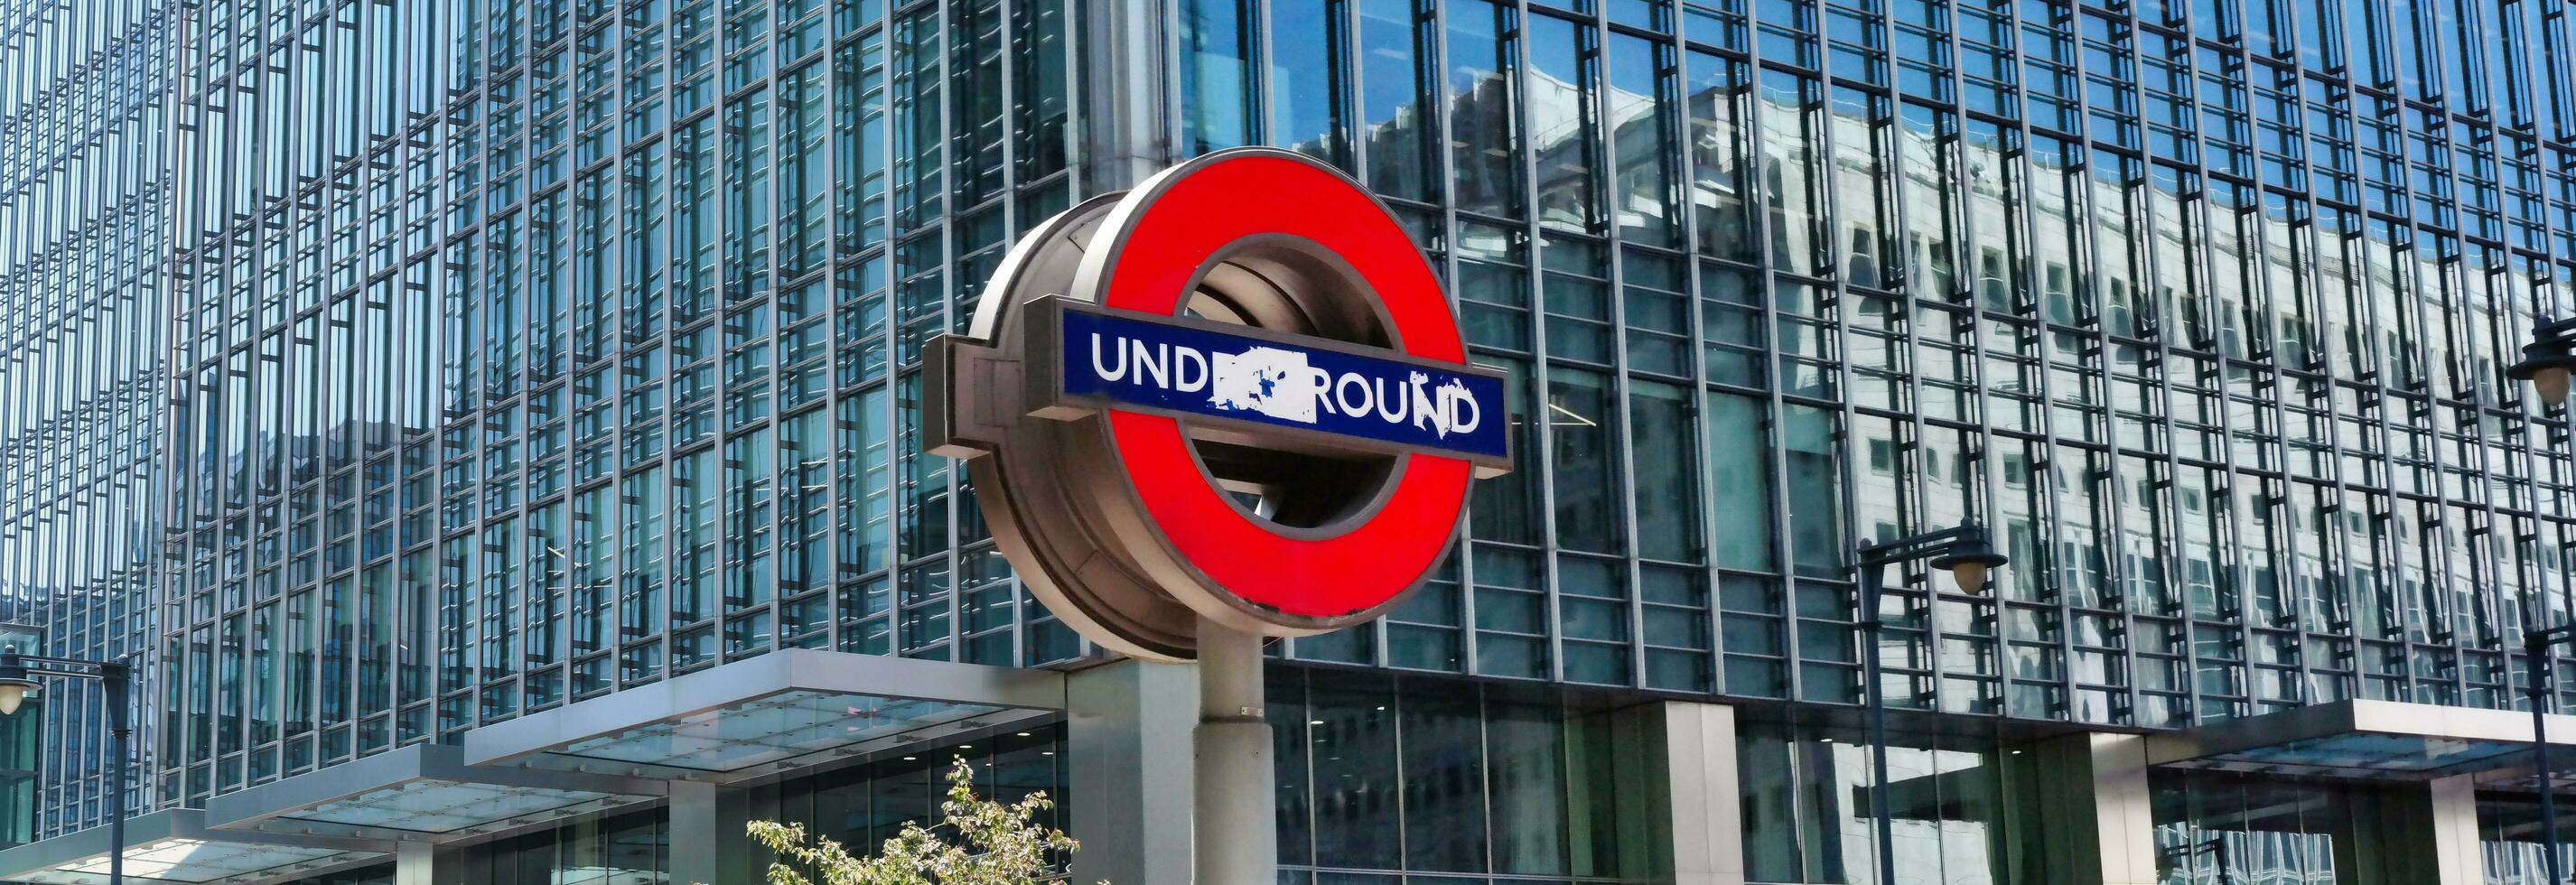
(756,717)
(772,729)
(440,807)
(422,791)
(200,861)
(175,846)
(2360,738)
(2381,754)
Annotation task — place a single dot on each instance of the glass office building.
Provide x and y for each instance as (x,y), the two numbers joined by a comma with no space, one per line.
(85,213)
(494,427)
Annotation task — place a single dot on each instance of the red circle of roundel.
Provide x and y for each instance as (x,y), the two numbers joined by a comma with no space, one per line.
(1370,563)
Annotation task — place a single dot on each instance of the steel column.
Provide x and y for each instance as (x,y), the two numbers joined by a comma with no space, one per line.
(1236,834)
(2535,649)
(1872,588)
(120,730)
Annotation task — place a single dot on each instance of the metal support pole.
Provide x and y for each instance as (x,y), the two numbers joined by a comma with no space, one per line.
(120,731)
(1236,835)
(1872,581)
(2535,649)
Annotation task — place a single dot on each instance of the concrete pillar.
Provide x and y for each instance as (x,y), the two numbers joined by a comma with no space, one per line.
(1130,800)
(1673,813)
(2125,827)
(708,845)
(2453,806)
(1705,806)
(2088,809)
(415,863)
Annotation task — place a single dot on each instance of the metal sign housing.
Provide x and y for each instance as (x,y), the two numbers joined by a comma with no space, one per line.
(1209,456)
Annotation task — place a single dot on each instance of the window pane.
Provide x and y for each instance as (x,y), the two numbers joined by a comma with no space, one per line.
(1811,438)
(1659,417)
(1562,122)
(1584,446)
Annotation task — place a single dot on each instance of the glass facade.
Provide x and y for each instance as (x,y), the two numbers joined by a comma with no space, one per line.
(2202,306)
(862,806)
(2214,829)
(1380,777)
(85,213)
(558,347)
(2509,846)
(378,371)
(527,350)
(628,849)
(1961,811)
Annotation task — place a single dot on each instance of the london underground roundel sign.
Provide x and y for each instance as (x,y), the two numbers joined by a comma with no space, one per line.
(1236,392)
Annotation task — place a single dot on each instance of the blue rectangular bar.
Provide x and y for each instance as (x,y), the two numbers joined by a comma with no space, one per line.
(1175,366)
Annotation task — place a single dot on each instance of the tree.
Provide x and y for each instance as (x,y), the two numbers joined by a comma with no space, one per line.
(995,844)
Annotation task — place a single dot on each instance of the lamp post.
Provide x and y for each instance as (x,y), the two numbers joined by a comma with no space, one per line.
(1965,554)
(18,674)
(2546,362)
(2535,650)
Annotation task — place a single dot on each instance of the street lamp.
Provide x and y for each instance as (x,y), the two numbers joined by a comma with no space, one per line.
(1964,553)
(2546,362)
(2548,359)
(18,674)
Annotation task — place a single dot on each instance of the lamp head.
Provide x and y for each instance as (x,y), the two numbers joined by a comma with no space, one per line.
(1969,559)
(15,683)
(2547,362)
(2551,383)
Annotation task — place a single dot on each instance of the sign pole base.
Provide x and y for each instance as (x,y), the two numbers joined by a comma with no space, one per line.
(1236,835)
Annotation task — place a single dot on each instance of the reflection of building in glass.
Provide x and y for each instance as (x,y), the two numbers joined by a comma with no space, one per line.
(391,379)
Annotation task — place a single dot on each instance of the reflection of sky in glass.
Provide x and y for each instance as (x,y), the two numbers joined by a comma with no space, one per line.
(1302,84)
